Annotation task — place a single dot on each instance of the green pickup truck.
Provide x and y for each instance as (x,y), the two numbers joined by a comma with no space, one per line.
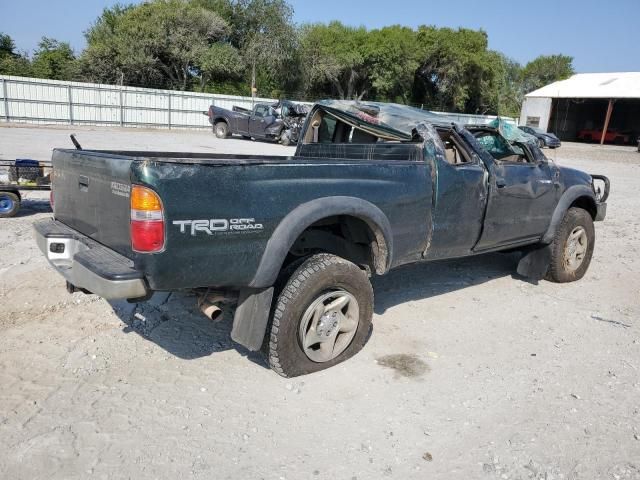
(289,243)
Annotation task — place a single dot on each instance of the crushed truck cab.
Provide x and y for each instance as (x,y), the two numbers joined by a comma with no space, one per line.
(289,243)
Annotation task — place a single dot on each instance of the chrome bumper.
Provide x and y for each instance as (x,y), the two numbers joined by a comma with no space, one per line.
(86,264)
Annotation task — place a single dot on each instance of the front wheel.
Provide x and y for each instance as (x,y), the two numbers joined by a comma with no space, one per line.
(541,143)
(321,317)
(9,204)
(572,247)
(285,138)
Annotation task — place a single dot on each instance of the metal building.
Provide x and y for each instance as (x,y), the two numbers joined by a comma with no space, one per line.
(597,107)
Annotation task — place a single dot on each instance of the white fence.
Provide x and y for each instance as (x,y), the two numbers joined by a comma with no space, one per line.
(32,100)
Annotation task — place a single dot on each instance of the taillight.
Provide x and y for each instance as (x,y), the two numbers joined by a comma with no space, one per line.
(147,220)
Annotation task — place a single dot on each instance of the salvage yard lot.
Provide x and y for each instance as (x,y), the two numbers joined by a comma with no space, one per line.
(470,371)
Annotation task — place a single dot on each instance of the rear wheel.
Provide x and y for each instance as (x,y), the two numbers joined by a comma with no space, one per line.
(9,204)
(321,317)
(221,130)
(572,247)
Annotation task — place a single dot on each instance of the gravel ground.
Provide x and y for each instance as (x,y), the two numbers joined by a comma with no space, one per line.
(469,373)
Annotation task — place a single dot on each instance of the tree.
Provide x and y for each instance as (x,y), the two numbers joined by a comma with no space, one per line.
(264,32)
(393,60)
(508,88)
(545,70)
(335,59)
(7,46)
(54,60)
(12,62)
(219,62)
(153,44)
(457,71)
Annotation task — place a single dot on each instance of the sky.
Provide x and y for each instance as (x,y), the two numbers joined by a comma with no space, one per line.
(602,36)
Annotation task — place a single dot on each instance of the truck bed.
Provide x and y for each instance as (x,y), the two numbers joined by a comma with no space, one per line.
(92,196)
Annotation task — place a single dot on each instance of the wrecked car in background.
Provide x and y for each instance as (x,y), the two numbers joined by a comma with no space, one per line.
(279,122)
(289,243)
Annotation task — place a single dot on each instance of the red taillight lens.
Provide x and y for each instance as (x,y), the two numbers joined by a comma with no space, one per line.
(147,236)
(147,220)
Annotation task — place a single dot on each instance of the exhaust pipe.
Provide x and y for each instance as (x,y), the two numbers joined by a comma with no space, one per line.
(210,305)
(211,311)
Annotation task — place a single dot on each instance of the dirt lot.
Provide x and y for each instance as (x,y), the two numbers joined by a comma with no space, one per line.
(469,373)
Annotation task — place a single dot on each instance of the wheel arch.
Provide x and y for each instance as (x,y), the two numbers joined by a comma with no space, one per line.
(580,196)
(11,190)
(306,215)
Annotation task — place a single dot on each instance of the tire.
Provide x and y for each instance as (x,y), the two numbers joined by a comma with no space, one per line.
(300,316)
(575,234)
(246,137)
(221,129)
(9,204)
(285,139)
(541,143)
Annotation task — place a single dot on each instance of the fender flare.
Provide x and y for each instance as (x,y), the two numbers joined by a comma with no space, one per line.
(570,195)
(305,215)
(9,189)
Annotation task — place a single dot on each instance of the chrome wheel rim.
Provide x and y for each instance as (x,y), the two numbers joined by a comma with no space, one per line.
(6,204)
(220,131)
(329,325)
(575,248)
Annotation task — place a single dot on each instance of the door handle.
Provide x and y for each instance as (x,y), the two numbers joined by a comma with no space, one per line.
(83,183)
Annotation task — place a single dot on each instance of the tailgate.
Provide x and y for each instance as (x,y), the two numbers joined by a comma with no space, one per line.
(91,195)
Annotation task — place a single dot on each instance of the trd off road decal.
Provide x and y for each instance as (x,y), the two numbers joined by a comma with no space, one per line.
(120,189)
(218,225)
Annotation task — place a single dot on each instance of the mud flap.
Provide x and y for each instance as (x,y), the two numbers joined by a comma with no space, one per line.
(251,317)
(535,263)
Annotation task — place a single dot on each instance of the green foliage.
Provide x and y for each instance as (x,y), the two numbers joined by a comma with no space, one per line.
(225,46)
(456,72)
(263,30)
(217,63)
(545,70)
(393,58)
(11,62)
(159,43)
(55,60)
(7,46)
(335,59)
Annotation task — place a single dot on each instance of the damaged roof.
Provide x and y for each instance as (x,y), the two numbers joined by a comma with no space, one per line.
(389,117)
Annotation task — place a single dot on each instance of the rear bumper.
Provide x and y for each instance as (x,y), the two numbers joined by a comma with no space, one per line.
(87,264)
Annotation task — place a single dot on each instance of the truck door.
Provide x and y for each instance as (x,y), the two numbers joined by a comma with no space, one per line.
(460,199)
(523,192)
(257,122)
